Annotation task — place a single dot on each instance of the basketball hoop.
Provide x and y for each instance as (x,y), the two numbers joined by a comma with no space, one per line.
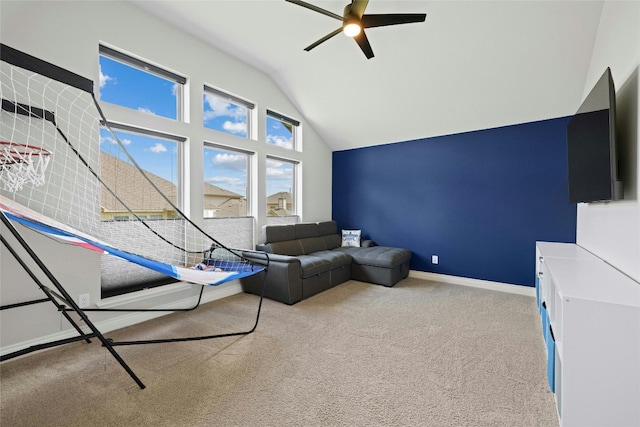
(21,164)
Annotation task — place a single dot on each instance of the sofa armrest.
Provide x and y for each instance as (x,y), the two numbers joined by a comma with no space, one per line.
(266,258)
(283,278)
(367,243)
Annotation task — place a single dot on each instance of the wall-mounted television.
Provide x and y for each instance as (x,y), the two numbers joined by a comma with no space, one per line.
(591,146)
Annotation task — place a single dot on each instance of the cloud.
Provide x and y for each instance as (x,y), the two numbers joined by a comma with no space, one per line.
(104,79)
(277,171)
(111,140)
(218,107)
(146,110)
(158,148)
(230,161)
(238,127)
(227,181)
(280,141)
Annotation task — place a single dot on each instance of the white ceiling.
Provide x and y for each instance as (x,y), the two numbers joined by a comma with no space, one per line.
(471,65)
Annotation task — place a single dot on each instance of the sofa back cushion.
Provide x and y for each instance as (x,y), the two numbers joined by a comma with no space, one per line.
(288,247)
(312,244)
(305,230)
(327,227)
(332,241)
(278,233)
(301,238)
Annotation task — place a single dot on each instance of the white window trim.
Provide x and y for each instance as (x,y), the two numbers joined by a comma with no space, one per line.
(151,68)
(294,186)
(251,169)
(183,191)
(238,100)
(297,140)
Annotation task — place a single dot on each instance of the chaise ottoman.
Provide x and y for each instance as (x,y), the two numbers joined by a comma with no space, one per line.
(381,265)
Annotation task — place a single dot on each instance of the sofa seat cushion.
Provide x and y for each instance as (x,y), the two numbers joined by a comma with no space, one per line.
(321,262)
(377,256)
(336,258)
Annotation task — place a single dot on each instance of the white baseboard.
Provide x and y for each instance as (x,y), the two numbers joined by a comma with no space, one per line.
(131,318)
(475,283)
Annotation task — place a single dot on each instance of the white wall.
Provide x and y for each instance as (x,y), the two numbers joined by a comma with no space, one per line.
(612,230)
(67,34)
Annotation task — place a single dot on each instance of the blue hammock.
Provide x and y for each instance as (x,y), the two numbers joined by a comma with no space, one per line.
(210,272)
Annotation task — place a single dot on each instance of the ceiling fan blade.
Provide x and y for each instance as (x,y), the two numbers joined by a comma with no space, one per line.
(358,7)
(364,44)
(324,39)
(315,9)
(369,21)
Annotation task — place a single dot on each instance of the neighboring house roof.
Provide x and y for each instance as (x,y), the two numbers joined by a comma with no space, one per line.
(280,212)
(275,198)
(213,190)
(276,208)
(125,180)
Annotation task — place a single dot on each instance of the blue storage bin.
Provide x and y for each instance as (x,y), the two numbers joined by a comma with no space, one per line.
(544,315)
(551,358)
(538,301)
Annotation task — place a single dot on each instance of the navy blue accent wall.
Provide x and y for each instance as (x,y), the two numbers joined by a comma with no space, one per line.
(478,200)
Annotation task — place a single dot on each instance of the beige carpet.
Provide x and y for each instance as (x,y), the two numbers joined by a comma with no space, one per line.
(418,354)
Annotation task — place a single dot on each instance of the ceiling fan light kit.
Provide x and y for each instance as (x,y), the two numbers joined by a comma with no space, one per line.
(352,28)
(354,21)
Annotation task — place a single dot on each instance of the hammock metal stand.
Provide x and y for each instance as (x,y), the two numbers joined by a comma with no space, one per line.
(65,304)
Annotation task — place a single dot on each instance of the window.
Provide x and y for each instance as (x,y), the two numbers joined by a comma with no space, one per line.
(282,131)
(135,84)
(226,113)
(281,187)
(226,179)
(158,155)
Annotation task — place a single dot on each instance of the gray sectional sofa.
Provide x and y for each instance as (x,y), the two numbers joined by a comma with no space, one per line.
(307,258)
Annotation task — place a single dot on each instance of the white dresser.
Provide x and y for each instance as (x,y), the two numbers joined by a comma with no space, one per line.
(590,313)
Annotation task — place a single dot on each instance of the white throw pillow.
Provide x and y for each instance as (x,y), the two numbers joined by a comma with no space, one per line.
(351,238)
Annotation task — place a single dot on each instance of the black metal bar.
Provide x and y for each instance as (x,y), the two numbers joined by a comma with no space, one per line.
(22,304)
(69,299)
(144,310)
(48,292)
(107,342)
(31,63)
(45,346)
(205,337)
(27,110)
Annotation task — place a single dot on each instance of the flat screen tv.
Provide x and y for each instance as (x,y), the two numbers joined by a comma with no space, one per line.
(591,146)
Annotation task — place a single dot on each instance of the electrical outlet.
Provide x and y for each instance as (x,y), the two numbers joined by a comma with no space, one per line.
(434,259)
(84,300)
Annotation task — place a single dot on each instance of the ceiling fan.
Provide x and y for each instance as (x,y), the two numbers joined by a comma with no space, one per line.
(354,21)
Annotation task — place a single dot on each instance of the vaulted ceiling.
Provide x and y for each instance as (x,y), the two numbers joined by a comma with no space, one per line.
(471,65)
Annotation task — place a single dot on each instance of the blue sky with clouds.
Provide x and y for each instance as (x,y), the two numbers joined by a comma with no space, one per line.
(127,86)
(133,88)
(226,169)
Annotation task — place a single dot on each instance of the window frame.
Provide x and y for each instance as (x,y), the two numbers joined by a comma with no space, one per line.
(296,164)
(233,99)
(150,68)
(181,202)
(295,124)
(249,175)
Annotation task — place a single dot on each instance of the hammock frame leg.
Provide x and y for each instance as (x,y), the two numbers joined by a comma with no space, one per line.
(67,299)
(50,297)
(202,337)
